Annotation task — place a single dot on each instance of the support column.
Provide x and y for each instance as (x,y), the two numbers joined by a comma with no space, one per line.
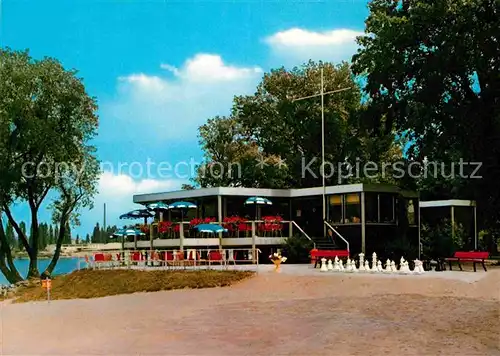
(452,222)
(151,227)
(219,218)
(254,250)
(475,227)
(181,236)
(135,241)
(363,224)
(417,220)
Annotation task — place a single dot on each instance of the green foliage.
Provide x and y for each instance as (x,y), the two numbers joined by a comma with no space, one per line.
(46,120)
(432,69)
(22,227)
(297,249)
(269,126)
(9,234)
(188,187)
(439,242)
(67,235)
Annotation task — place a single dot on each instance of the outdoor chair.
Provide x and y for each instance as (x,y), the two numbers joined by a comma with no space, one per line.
(98,260)
(215,256)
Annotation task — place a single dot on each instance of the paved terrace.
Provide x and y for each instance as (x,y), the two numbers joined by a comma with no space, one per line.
(300,311)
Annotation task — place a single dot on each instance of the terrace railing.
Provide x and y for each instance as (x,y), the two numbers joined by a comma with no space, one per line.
(173,258)
(337,233)
(293,223)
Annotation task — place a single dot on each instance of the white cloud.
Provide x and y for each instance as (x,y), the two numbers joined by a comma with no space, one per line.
(175,103)
(296,46)
(117,190)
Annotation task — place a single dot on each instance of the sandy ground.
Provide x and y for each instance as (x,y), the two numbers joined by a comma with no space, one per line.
(297,312)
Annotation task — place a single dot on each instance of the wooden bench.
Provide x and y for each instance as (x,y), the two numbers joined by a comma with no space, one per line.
(317,255)
(471,256)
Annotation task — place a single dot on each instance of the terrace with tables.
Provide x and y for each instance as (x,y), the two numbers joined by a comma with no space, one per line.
(359,218)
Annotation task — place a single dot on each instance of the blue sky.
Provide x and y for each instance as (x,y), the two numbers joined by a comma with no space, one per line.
(159,69)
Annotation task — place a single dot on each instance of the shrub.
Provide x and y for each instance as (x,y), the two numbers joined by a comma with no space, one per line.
(297,249)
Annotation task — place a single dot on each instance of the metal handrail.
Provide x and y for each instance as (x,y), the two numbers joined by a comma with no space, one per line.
(303,232)
(338,234)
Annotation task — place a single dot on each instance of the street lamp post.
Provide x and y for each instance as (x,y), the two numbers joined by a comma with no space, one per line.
(322,95)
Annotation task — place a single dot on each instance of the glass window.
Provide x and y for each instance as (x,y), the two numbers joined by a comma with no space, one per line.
(352,208)
(387,208)
(371,205)
(335,209)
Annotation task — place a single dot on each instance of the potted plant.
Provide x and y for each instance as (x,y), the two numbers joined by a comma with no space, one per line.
(277,259)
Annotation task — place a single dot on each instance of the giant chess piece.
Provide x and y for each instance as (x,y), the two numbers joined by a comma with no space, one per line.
(401,262)
(374,263)
(405,269)
(323,265)
(394,269)
(361,261)
(341,265)
(336,266)
(379,266)
(353,266)
(421,266)
(388,266)
(330,265)
(348,266)
(367,266)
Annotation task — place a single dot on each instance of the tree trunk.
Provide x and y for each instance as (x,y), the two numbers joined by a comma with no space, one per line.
(57,252)
(33,271)
(10,272)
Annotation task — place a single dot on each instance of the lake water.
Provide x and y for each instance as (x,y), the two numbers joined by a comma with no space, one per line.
(64,265)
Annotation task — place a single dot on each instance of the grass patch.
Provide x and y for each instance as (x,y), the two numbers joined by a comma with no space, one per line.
(85,284)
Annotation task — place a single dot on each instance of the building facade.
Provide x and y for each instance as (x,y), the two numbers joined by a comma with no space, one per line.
(360,217)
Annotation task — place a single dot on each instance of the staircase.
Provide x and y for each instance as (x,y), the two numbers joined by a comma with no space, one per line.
(324,243)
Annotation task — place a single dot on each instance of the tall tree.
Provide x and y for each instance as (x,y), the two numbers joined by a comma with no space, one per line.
(46,123)
(77,241)
(96,234)
(9,234)
(87,239)
(67,235)
(272,141)
(432,69)
(22,227)
(51,234)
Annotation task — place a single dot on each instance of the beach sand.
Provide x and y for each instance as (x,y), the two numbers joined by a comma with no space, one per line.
(288,313)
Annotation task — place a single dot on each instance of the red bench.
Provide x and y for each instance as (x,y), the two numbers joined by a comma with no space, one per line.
(317,255)
(472,256)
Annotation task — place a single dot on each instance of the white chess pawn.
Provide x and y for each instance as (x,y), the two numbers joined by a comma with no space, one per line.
(393,267)
(405,269)
(379,266)
(388,266)
(336,266)
(401,262)
(421,266)
(336,259)
(353,266)
(330,265)
(348,265)
(367,266)
(323,265)
(341,265)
